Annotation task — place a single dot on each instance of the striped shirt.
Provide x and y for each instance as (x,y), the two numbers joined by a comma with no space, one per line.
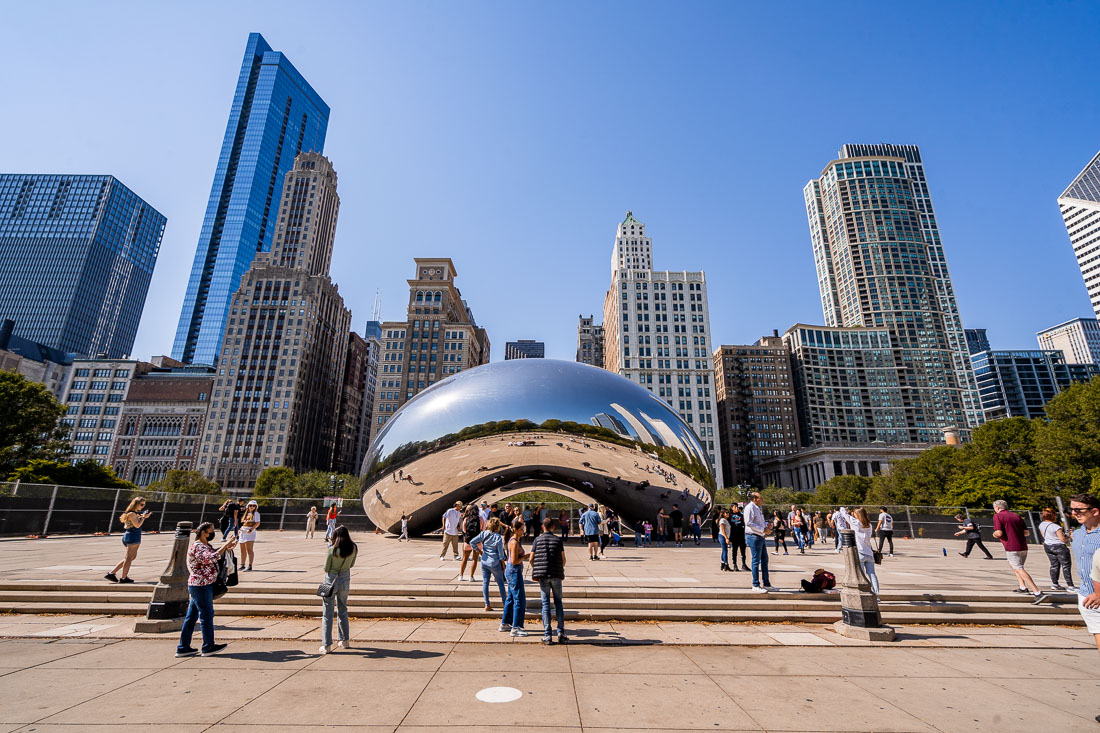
(1085,545)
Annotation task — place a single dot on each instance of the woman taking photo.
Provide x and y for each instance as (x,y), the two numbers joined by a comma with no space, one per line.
(131,519)
(471,528)
(338,564)
(330,522)
(202,564)
(246,535)
(516,604)
(311,522)
(723,525)
(861,524)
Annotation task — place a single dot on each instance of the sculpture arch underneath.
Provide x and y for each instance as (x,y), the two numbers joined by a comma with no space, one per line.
(533,424)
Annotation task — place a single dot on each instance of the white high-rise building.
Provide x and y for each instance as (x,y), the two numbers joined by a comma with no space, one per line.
(1080,205)
(1078,340)
(656,325)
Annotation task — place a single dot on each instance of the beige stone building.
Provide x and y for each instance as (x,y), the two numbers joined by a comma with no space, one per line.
(281,369)
(439,337)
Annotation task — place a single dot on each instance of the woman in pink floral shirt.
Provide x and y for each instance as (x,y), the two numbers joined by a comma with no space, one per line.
(202,563)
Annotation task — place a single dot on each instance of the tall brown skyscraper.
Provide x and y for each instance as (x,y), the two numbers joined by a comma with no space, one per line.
(281,370)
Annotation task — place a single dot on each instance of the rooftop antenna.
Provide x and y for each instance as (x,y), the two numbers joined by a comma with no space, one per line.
(376,310)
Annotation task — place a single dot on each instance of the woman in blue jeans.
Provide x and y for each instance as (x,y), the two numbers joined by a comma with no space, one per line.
(516,605)
(338,563)
(202,563)
(491,546)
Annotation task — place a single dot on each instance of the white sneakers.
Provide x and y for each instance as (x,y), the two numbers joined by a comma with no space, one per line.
(324,649)
(758,589)
(339,645)
(343,644)
(519,632)
(505,627)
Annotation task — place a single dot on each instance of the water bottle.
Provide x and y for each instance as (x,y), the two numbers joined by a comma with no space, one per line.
(945,552)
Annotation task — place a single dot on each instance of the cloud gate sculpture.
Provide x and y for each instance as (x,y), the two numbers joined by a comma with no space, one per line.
(511,427)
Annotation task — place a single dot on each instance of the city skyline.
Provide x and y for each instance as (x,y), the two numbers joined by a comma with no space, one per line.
(383,172)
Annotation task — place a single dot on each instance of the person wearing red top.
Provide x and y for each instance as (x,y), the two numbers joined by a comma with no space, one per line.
(1009,528)
(202,563)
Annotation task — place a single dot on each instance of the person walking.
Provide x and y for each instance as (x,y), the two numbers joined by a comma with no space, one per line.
(696,527)
(755,528)
(590,528)
(404,528)
(605,530)
(231,514)
(246,535)
(860,523)
(202,566)
(724,538)
(338,564)
(1054,545)
(821,527)
(798,526)
(491,546)
(1009,528)
(311,522)
(451,533)
(1086,546)
(737,537)
(973,532)
(132,519)
(548,569)
(471,528)
(515,605)
(330,521)
(779,532)
(676,519)
(884,528)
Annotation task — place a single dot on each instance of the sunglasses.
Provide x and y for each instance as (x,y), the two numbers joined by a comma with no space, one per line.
(1079,510)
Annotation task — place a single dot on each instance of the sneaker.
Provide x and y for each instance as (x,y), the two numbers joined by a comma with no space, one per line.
(519,631)
(188,652)
(505,627)
(456,558)
(111,577)
(758,589)
(1057,588)
(1021,590)
(547,640)
(324,649)
(214,650)
(343,645)
(1071,588)
(1039,598)
(770,588)
(890,555)
(562,638)
(125,580)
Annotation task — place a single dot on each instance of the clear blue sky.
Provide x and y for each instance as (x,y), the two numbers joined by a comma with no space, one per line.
(513,137)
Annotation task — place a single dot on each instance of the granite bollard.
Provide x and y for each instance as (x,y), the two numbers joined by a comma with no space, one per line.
(170,598)
(859,605)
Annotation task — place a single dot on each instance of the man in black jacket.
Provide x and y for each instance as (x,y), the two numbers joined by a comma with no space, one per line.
(548,568)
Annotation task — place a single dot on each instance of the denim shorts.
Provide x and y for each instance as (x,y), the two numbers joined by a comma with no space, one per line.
(131,537)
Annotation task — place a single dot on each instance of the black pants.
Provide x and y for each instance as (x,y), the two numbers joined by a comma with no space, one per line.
(1059,560)
(884,536)
(738,543)
(780,537)
(971,541)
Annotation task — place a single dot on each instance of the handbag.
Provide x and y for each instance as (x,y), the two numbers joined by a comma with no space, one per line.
(231,577)
(220,584)
(878,557)
(326,588)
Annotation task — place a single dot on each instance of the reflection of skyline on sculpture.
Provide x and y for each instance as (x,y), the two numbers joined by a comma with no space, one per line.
(593,432)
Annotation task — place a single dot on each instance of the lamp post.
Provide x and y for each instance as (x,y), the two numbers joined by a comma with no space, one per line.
(170,598)
(859,605)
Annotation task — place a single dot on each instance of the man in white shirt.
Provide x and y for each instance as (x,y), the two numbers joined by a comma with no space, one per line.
(755,526)
(451,519)
(839,521)
(483,514)
(885,529)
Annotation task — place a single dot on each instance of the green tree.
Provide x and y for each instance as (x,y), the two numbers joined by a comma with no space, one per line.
(177,481)
(979,489)
(29,423)
(83,473)
(1008,443)
(1067,444)
(275,481)
(843,491)
(919,481)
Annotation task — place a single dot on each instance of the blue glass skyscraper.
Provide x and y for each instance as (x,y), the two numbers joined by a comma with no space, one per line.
(275,115)
(76,256)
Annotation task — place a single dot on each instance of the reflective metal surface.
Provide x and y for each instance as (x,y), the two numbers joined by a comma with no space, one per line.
(533,425)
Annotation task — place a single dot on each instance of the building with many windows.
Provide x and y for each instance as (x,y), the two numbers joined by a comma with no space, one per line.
(1021,383)
(589,341)
(439,337)
(76,257)
(655,326)
(976,340)
(275,115)
(161,423)
(373,336)
(350,425)
(284,351)
(524,349)
(1078,340)
(881,267)
(757,412)
(37,362)
(94,395)
(1080,207)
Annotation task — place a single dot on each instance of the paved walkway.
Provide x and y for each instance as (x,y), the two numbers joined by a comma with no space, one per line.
(287,557)
(58,685)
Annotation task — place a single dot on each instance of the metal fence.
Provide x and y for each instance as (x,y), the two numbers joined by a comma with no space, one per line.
(44,509)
